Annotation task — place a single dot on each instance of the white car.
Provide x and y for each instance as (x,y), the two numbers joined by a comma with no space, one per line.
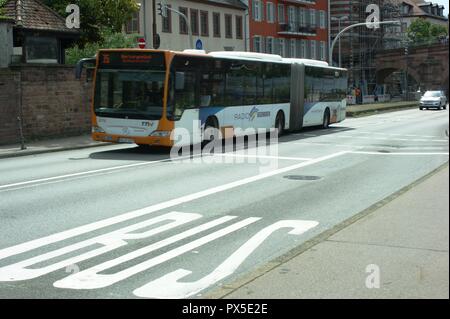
(433,99)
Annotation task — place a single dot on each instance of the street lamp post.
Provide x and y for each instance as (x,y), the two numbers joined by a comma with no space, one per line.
(166,7)
(354,26)
(339,30)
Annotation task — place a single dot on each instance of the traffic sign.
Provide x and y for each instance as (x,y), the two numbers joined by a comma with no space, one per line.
(141,43)
(199,45)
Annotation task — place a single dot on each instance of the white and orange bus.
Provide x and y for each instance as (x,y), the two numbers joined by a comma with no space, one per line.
(144,96)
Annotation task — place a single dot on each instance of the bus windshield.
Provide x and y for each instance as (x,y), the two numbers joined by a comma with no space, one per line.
(129,93)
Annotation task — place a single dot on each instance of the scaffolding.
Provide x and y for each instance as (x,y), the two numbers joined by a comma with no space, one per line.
(360,45)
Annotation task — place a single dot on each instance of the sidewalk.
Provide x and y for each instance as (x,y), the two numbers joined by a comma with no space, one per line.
(49,145)
(408,239)
(366,109)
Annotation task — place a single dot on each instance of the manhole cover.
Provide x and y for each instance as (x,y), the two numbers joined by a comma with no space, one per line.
(302,177)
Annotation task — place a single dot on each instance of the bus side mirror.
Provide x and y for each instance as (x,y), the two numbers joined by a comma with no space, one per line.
(80,65)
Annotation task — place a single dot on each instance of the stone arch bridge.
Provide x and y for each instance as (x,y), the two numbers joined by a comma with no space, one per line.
(427,65)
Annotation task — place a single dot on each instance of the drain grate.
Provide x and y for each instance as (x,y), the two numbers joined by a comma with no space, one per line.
(302,177)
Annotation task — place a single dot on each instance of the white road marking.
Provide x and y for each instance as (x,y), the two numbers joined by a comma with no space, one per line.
(91,279)
(261,156)
(398,134)
(44,241)
(400,153)
(111,241)
(391,139)
(326,144)
(168,286)
(101,170)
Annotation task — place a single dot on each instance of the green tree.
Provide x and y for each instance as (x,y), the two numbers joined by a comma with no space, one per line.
(423,31)
(96,16)
(2,4)
(110,40)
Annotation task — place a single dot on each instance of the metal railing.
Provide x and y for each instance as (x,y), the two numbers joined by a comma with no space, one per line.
(300,28)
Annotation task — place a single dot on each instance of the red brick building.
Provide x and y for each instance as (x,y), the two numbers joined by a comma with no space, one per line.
(290,28)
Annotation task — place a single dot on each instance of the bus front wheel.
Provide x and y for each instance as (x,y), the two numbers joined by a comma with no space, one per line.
(211,129)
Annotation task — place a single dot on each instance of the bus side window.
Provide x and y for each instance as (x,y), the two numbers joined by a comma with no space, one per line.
(184,95)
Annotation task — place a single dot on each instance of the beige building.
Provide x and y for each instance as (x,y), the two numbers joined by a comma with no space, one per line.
(216,25)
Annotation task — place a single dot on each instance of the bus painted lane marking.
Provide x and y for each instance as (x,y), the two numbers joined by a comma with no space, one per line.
(44,241)
(109,241)
(168,286)
(91,279)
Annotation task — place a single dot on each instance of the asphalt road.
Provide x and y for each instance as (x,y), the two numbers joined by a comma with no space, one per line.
(121,222)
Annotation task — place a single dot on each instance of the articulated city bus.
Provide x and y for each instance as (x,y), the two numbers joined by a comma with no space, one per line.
(155,97)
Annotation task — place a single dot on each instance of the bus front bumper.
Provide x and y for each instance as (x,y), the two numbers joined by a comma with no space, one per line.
(149,140)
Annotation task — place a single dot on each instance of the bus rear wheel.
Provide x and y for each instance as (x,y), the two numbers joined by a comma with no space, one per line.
(279,123)
(326,119)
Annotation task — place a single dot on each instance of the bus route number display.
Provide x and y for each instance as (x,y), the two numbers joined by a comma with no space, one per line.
(115,60)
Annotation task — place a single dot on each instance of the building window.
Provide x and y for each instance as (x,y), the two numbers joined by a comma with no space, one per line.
(323,52)
(194,21)
(257,10)
(269,45)
(132,25)
(292,48)
(167,22)
(281,14)
(270,12)
(303,53)
(239,27)
(204,23)
(183,23)
(282,44)
(301,17)
(322,19)
(228,26)
(291,15)
(313,49)
(312,17)
(42,50)
(216,24)
(257,44)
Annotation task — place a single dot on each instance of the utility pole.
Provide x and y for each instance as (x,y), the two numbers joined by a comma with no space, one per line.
(155,37)
(406,71)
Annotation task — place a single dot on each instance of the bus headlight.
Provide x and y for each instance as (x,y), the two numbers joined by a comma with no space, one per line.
(97,129)
(160,134)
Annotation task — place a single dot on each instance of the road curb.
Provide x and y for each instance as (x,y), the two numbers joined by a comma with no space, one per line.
(53,150)
(381,110)
(225,290)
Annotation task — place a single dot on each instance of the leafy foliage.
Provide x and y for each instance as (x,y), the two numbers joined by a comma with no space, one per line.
(422,31)
(96,16)
(110,40)
(2,4)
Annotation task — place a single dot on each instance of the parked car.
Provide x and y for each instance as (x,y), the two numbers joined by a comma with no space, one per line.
(433,99)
